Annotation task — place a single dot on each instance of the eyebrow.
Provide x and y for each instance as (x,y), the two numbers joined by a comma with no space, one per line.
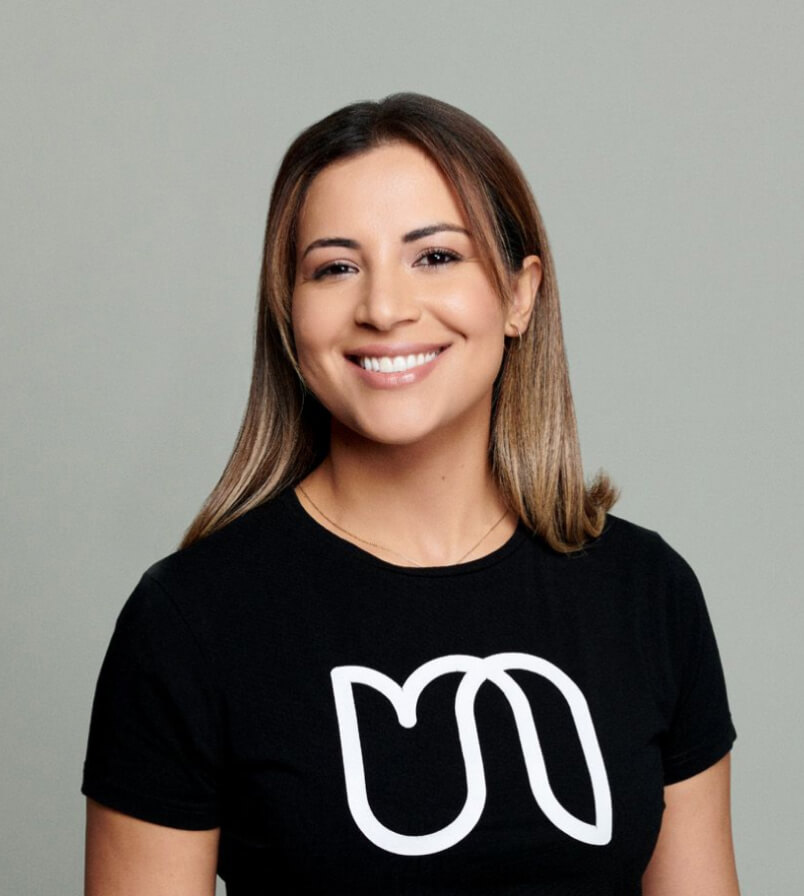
(410,237)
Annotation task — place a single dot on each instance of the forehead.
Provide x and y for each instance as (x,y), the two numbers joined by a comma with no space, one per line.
(392,187)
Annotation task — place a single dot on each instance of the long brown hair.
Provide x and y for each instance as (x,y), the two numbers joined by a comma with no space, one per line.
(533,449)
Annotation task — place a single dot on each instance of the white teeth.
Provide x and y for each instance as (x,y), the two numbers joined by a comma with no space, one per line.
(397,364)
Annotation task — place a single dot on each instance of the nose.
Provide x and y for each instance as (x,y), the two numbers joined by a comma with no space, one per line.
(386,301)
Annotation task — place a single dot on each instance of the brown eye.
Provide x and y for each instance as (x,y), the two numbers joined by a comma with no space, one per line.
(433,258)
(333,269)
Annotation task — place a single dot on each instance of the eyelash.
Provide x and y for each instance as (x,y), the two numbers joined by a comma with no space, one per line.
(337,268)
(329,269)
(448,254)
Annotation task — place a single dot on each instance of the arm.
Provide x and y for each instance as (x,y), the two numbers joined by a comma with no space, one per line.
(694,855)
(129,857)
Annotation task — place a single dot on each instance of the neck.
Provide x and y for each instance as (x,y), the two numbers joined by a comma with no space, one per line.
(427,503)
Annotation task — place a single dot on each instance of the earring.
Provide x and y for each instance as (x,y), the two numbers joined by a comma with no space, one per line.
(518,335)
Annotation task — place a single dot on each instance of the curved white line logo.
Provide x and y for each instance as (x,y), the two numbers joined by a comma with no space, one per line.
(476,670)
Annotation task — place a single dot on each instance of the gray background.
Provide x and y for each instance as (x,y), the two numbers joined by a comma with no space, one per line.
(664,145)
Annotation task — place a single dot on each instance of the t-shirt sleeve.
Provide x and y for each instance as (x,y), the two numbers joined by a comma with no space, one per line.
(154,749)
(700,729)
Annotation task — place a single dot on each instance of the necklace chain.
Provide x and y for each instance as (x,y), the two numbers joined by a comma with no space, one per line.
(383,547)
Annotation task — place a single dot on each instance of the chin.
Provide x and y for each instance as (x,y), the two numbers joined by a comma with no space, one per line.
(395,435)
(412,430)
(384,429)
(410,424)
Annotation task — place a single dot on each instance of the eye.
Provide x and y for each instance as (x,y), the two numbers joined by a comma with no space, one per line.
(436,258)
(333,269)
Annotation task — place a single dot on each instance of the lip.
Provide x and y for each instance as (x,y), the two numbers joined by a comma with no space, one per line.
(395,379)
(391,349)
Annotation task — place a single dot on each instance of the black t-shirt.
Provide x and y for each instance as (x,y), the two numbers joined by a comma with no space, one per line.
(501,726)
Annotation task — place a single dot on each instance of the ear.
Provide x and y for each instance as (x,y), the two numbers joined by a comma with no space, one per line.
(524,286)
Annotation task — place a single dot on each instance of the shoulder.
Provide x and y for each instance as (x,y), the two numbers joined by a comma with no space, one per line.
(634,553)
(633,573)
(656,582)
(232,565)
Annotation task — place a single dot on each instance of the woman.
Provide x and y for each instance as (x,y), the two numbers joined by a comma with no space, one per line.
(403,648)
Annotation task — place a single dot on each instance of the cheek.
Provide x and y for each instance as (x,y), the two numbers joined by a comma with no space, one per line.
(306,336)
(317,332)
(314,324)
(475,309)
(301,320)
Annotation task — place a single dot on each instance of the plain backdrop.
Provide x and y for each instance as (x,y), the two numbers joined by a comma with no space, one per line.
(139,143)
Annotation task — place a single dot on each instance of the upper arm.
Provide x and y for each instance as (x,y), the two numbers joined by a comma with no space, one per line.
(694,855)
(129,857)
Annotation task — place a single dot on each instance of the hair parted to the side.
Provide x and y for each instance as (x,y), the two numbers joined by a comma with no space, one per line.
(534,451)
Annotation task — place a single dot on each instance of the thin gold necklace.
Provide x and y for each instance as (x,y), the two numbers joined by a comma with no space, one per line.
(382,547)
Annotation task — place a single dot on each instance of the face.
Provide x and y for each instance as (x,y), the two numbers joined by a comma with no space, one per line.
(398,330)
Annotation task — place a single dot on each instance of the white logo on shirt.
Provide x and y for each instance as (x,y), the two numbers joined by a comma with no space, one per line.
(476,671)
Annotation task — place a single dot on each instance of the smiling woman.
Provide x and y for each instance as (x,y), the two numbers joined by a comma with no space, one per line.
(399,303)
(403,647)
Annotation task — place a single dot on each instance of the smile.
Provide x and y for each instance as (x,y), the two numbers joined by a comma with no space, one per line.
(395,363)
